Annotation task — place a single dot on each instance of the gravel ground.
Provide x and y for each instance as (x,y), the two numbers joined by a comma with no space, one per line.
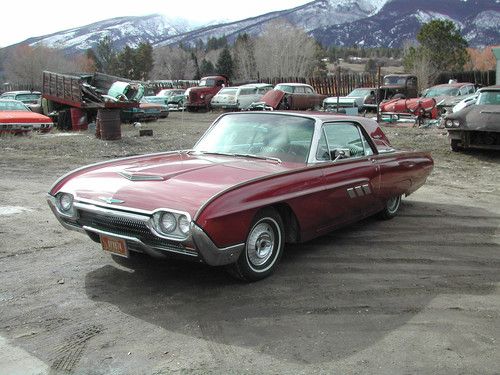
(419,294)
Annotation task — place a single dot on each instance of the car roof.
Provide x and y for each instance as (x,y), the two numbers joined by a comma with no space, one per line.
(455,84)
(489,88)
(293,84)
(22,92)
(256,85)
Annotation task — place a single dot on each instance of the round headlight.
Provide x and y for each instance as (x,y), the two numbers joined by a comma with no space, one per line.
(167,222)
(449,123)
(65,201)
(456,123)
(184,224)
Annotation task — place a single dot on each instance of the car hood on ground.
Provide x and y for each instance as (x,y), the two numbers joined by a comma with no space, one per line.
(178,181)
(23,117)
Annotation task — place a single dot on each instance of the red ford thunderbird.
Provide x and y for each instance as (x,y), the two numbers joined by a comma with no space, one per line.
(253,182)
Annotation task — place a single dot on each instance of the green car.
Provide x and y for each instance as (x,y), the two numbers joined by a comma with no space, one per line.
(175,98)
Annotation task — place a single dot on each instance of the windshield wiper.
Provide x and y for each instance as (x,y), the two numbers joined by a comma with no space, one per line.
(258,157)
(238,155)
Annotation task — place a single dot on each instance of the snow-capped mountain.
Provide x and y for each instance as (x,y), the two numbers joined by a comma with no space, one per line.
(399,21)
(370,23)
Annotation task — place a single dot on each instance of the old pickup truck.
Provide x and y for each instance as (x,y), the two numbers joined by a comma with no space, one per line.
(199,97)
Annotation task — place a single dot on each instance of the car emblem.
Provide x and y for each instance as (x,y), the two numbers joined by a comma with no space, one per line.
(111,200)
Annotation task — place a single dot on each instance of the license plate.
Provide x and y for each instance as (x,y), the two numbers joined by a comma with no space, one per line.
(114,245)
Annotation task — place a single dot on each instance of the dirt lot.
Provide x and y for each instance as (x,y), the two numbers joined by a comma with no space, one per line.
(419,294)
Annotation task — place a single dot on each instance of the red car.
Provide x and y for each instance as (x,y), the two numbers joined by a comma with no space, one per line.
(253,182)
(16,117)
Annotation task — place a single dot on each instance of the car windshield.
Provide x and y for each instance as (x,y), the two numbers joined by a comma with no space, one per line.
(165,93)
(438,91)
(489,98)
(12,106)
(395,80)
(284,88)
(285,137)
(207,82)
(360,92)
(28,97)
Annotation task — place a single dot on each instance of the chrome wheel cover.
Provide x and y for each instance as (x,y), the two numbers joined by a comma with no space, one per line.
(261,243)
(393,204)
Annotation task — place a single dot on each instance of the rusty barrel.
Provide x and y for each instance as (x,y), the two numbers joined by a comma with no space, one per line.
(109,124)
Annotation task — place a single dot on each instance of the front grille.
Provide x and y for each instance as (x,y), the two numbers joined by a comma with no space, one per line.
(125,227)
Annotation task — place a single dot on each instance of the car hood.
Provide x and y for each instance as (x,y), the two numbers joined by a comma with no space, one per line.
(273,98)
(179,181)
(480,117)
(24,117)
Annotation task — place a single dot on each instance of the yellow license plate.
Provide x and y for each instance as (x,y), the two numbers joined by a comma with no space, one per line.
(114,245)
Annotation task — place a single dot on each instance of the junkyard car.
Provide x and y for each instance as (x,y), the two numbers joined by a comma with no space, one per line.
(32,99)
(294,96)
(362,99)
(175,98)
(16,117)
(253,182)
(144,112)
(449,94)
(239,97)
(158,100)
(478,125)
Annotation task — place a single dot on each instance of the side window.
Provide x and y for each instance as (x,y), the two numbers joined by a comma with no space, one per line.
(309,90)
(299,90)
(342,138)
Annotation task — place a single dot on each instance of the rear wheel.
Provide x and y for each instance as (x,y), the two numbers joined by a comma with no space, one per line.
(391,208)
(263,248)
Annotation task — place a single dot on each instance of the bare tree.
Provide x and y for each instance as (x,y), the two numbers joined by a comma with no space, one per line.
(244,56)
(172,63)
(25,64)
(284,50)
(418,62)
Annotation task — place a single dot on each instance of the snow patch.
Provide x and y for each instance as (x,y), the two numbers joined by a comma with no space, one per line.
(13,210)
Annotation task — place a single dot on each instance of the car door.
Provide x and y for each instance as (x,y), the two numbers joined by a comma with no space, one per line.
(351,173)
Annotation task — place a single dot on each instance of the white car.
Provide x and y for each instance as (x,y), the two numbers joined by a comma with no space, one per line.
(362,98)
(239,97)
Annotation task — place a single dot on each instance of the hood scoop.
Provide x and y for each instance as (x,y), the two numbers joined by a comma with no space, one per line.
(141,176)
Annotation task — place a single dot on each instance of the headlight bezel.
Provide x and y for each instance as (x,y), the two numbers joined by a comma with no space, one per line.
(176,233)
(65,208)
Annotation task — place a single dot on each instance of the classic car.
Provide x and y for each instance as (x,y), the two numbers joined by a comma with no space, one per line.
(16,117)
(293,96)
(253,182)
(144,112)
(199,97)
(239,97)
(362,98)
(158,100)
(449,94)
(477,125)
(398,86)
(175,98)
(32,99)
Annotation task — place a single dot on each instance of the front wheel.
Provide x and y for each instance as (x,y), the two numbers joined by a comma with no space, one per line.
(391,208)
(263,247)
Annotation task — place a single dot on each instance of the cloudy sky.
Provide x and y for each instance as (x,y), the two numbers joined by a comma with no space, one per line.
(30,18)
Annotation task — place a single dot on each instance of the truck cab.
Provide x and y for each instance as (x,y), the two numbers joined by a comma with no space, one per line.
(200,96)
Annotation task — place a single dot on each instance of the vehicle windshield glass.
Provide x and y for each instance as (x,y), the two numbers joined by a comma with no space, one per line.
(227,92)
(285,137)
(284,88)
(438,91)
(207,83)
(489,98)
(360,92)
(12,106)
(154,99)
(395,80)
(28,97)
(165,93)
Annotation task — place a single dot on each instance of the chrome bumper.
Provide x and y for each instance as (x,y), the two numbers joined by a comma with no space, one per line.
(204,248)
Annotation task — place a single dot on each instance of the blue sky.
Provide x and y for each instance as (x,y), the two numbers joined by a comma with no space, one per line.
(31,18)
